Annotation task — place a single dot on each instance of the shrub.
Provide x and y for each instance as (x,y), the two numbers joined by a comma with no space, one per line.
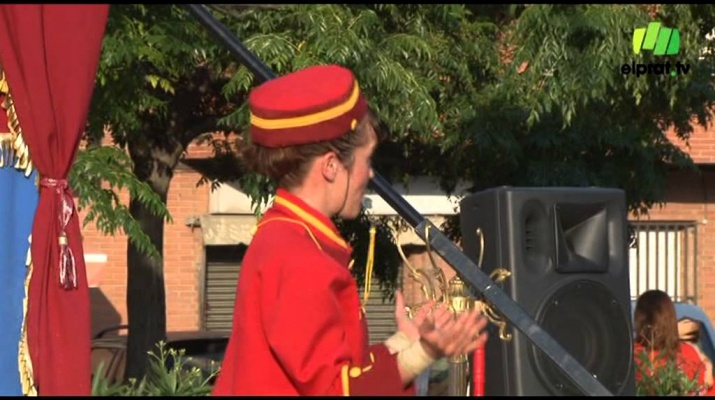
(663,379)
(168,375)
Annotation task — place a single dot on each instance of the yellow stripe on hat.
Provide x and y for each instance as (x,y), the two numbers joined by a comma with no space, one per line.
(310,119)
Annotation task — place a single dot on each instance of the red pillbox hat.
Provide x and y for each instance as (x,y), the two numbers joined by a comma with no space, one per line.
(315,104)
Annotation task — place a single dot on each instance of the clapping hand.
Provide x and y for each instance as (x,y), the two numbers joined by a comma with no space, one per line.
(405,324)
(441,334)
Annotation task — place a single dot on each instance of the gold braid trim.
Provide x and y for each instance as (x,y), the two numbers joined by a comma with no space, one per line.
(5,135)
(24,361)
(12,145)
(5,148)
(3,84)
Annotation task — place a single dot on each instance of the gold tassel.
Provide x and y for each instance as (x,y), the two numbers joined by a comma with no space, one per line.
(24,361)
(368,269)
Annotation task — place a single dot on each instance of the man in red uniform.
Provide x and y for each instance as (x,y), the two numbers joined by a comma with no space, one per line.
(298,325)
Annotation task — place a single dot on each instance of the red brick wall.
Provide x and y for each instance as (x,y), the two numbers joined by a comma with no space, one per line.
(183,250)
(183,256)
(690,198)
(700,146)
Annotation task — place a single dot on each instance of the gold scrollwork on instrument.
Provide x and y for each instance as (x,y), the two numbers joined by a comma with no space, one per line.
(456,296)
(499,275)
(433,282)
(453,294)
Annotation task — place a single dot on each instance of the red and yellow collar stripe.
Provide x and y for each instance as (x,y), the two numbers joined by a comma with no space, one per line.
(282,199)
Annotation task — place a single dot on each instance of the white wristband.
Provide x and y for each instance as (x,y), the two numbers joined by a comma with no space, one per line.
(397,342)
(414,359)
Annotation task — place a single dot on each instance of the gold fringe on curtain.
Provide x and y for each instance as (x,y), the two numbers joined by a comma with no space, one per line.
(24,361)
(12,145)
(13,149)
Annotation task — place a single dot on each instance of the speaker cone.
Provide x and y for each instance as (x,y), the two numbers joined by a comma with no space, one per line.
(587,321)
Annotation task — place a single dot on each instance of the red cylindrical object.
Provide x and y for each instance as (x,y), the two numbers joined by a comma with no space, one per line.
(478,372)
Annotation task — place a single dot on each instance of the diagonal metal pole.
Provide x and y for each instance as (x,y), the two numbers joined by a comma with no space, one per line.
(469,271)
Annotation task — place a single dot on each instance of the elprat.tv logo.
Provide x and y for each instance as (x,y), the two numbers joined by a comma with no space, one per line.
(661,41)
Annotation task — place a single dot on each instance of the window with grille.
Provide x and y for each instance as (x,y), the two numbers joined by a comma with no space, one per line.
(663,255)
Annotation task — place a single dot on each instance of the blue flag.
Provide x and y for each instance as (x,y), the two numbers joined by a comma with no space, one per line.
(18,202)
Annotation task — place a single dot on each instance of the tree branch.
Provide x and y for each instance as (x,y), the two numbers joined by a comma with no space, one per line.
(198,128)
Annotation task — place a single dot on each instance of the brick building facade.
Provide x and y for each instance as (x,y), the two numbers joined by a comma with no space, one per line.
(688,207)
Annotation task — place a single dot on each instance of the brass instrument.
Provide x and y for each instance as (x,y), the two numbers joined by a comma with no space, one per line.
(460,301)
(456,295)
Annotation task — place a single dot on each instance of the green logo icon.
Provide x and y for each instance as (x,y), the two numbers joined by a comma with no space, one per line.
(657,38)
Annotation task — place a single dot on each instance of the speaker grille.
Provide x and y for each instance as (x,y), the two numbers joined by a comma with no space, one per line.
(585,318)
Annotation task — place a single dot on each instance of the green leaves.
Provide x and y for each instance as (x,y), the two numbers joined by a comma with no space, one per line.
(96,177)
(164,84)
(170,374)
(663,377)
(586,123)
(151,58)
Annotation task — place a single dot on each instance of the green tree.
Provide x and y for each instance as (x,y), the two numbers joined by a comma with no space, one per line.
(158,88)
(508,95)
(518,95)
(562,113)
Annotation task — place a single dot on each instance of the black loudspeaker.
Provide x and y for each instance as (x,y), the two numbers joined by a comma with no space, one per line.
(567,251)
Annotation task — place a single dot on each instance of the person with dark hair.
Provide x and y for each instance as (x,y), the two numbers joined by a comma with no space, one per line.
(299,327)
(656,337)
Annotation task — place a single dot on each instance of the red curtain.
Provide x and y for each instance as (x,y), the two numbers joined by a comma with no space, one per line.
(50,55)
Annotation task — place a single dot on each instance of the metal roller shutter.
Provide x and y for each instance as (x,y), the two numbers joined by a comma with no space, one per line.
(380,315)
(221,280)
(223,264)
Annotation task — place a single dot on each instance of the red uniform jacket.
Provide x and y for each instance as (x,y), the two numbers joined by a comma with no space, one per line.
(688,360)
(298,327)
